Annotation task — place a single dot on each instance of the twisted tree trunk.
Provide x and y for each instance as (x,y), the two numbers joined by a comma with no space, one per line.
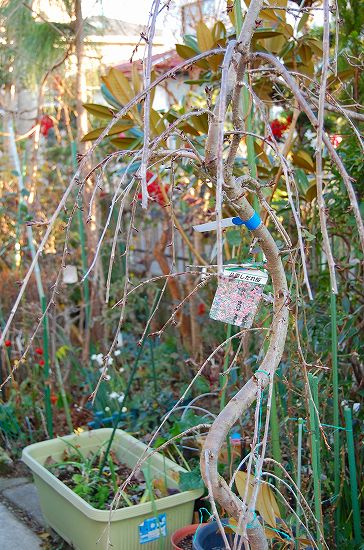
(218,488)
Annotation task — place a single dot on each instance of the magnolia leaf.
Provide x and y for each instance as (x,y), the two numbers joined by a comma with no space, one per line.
(157,124)
(135,78)
(342,75)
(269,15)
(188,129)
(94,134)
(308,70)
(311,193)
(287,29)
(260,153)
(218,31)
(191,41)
(303,160)
(302,180)
(215,61)
(264,89)
(315,45)
(305,53)
(126,142)
(118,85)
(186,53)
(200,123)
(205,39)
(303,21)
(266,503)
(266,33)
(119,127)
(99,111)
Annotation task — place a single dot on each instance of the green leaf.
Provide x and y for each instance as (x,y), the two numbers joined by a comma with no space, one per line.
(186,53)
(233,237)
(205,39)
(188,481)
(118,85)
(126,142)
(303,160)
(308,236)
(266,33)
(119,127)
(303,21)
(311,193)
(99,111)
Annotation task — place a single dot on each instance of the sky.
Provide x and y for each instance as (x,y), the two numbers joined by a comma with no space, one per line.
(132,11)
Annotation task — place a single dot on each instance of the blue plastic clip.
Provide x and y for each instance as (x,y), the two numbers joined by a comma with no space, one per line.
(251,224)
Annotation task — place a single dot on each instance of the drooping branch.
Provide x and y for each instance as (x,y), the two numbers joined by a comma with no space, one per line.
(303,103)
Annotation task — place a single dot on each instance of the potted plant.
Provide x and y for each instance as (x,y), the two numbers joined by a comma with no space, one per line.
(86,527)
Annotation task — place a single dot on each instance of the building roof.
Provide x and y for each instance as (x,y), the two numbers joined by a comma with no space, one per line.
(161,62)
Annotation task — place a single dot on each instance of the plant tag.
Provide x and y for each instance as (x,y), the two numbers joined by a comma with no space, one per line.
(152,529)
(238,295)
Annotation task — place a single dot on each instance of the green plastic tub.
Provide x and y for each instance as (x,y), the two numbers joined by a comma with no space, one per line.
(85,527)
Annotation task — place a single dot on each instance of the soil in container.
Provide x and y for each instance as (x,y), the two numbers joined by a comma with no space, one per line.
(82,474)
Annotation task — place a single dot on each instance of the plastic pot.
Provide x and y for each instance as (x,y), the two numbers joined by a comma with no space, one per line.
(209,536)
(180,534)
(86,528)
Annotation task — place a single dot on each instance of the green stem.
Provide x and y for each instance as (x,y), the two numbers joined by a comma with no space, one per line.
(352,472)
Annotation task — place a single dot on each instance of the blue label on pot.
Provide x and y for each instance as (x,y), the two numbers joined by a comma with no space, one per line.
(153,528)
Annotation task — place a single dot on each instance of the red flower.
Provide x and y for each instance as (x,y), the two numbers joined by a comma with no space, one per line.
(154,190)
(336,140)
(279,127)
(7,343)
(46,123)
(38,351)
(41,362)
(54,398)
(201,309)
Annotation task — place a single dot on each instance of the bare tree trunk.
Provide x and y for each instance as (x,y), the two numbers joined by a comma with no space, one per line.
(81,96)
(218,489)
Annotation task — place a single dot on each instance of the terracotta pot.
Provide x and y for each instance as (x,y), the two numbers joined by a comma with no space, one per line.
(184,532)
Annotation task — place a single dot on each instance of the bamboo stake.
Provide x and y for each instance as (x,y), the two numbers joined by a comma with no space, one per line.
(248,109)
(352,472)
(130,382)
(315,443)
(336,419)
(298,479)
(38,278)
(81,232)
(274,423)
(47,388)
